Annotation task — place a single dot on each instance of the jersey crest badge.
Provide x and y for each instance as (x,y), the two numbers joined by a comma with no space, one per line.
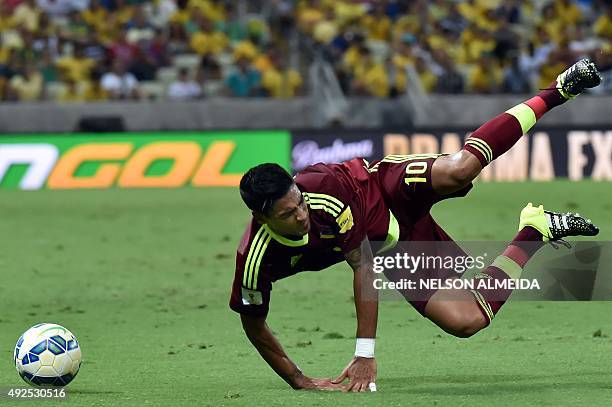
(345,220)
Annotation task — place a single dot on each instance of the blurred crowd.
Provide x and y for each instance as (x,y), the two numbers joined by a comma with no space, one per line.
(93,50)
(474,46)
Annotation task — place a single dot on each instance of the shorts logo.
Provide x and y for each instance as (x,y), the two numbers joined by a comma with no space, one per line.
(345,220)
(295,259)
(251,297)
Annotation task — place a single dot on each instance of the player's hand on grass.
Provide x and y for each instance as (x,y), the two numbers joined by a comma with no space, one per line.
(324,384)
(313,383)
(360,372)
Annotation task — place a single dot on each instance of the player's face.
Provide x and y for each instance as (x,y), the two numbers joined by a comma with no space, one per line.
(289,214)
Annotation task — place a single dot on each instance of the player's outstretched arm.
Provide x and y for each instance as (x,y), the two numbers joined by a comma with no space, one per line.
(361,371)
(270,349)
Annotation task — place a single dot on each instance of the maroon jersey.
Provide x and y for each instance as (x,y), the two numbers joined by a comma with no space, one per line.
(344,206)
(386,201)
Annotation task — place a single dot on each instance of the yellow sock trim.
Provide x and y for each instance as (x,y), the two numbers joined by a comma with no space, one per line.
(508,266)
(524,115)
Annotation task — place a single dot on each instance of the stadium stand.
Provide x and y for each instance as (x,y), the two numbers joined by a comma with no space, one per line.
(77,50)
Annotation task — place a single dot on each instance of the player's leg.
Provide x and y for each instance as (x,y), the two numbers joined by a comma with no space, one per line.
(464,312)
(495,137)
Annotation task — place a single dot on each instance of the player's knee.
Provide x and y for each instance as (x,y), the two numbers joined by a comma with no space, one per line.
(463,172)
(466,324)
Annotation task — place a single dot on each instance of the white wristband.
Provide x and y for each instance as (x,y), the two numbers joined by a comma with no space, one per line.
(364,347)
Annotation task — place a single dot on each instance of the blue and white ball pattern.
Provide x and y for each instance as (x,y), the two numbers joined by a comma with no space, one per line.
(47,355)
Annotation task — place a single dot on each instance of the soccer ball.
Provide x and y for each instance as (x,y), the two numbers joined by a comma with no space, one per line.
(47,355)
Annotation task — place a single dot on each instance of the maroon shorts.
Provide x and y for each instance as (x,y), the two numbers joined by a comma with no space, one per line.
(405,183)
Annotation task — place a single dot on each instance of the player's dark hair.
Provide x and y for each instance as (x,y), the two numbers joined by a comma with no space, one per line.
(262,185)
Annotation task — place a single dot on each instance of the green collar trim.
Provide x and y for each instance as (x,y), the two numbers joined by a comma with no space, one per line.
(287,242)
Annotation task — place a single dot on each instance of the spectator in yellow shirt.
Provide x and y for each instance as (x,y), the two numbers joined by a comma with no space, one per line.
(489,20)
(281,82)
(95,15)
(558,60)
(551,23)
(603,25)
(214,10)
(437,10)
(76,67)
(265,61)
(444,39)
(108,32)
(326,29)
(28,85)
(550,70)
(377,24)
(347,11)
(123,11)
(568,12)
(183,12)
(412,21)
(207,41)
(6,18)
(476,41)
(26,15)
(4,52)
(486,77)
(353,54)
(470,10)
(245,49)
(309,13)
(370,78)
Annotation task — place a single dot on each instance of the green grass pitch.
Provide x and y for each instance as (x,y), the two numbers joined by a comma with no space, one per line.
(143,277)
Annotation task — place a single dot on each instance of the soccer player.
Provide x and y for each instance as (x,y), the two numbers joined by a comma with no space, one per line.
(330,213)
